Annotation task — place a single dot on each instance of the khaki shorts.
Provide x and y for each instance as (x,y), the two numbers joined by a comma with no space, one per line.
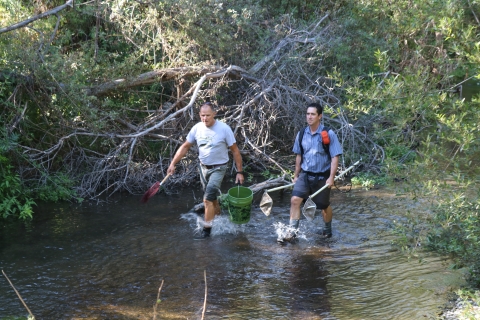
(212,181)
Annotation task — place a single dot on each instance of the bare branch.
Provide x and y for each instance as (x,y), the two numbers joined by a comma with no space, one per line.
(157,302)
(40,16)
(19,296)
(205,301)
(473,12)
(54,33)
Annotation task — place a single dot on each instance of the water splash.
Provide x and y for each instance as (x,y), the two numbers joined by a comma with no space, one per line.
(283,230)
(221,224)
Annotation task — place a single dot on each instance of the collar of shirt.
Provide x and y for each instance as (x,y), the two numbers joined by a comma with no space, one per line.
(319,129)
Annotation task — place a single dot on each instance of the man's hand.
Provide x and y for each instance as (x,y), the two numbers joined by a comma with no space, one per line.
(330,181)
(239,178)
(171,169)
(237,158)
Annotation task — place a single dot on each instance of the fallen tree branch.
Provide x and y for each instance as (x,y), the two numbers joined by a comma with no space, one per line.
(18,25)
(149,78)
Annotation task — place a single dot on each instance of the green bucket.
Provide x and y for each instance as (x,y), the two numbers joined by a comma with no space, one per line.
(239,204)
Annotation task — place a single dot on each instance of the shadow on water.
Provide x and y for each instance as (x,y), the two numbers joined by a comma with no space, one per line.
(107,261)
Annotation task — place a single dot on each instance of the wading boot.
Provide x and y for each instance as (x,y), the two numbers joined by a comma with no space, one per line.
(327,230)
(204,234)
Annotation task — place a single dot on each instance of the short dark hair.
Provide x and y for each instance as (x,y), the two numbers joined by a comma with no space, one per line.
(317,106)
(209,104)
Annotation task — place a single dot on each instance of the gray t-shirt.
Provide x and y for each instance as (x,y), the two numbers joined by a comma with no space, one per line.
(213,142)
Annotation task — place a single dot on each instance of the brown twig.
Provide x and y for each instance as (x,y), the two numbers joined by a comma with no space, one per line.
(205,301)
(156,303)
(19,296)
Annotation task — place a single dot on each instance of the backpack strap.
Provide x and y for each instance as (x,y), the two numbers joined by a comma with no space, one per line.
(300,139)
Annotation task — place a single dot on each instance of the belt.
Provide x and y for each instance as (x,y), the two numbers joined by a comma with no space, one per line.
(213,166)
(316,174)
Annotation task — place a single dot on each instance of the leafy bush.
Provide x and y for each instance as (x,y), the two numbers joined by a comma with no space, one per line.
(449,222)
(369,180)
(455,230)
(13,201)
(58,187)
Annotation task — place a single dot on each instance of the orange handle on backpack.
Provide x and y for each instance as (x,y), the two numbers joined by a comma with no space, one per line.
(325,137)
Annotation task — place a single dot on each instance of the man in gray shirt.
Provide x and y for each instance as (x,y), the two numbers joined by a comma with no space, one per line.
(314,166)
(213,139)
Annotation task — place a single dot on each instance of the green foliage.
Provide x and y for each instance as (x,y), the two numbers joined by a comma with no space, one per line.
(13,200)
(267,174)
(58,187)
(455,229)
(446,176)
(223,201)
(408,233)
(369,180)
(449,222)
(170,32)
(301,10)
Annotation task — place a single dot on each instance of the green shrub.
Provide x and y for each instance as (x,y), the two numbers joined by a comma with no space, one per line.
(455,230)
(13,201)
(369,180)
(58,187)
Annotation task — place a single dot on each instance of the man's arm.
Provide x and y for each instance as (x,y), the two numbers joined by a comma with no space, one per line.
(181,152)
(237,157)
(333,171)
(298,167)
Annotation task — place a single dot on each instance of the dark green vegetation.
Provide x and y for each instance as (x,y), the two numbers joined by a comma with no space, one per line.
(391,71)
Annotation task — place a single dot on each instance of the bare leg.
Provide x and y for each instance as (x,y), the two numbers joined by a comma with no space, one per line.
(209,212)
(327,214)
(295,204)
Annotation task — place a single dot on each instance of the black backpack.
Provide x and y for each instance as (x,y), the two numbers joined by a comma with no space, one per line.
(325,141)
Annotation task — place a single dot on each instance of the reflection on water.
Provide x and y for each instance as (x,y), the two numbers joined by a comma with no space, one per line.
(107,261)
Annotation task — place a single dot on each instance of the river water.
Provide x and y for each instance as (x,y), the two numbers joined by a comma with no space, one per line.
(107,261)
